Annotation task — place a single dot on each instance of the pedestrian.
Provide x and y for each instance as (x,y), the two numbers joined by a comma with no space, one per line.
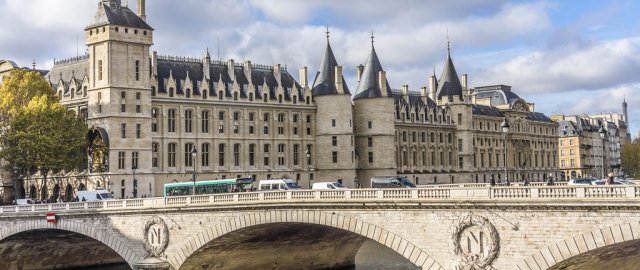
(550,180)
(493,181)
(609,180)
(83,199)
(525,182)
(507,183)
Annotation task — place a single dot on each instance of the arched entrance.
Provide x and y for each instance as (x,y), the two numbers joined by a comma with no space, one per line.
(33,192)
(56,193)
(69,195)
(82,187)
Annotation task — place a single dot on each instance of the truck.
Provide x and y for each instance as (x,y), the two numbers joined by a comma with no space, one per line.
(94,195)
(277,184)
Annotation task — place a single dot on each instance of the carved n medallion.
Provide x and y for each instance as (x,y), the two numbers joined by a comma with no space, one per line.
(476,243)
(156,236)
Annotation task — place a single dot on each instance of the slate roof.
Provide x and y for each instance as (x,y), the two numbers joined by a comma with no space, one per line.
(368,87)
(540,117)
(414,102)
(112,12)
(486,110)
(324,83)
(67,70)
(218,71)
(449,84)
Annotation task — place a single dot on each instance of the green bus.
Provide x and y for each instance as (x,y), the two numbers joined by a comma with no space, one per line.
(208,187)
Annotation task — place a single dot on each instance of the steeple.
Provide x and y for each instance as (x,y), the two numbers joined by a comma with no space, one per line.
(449,84)
(111,12)
(373,82)
(325,81)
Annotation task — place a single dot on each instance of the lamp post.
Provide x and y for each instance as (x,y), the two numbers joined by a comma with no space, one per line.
(307,154)
(505,130)
(15,182)
(602,132)
(194,153)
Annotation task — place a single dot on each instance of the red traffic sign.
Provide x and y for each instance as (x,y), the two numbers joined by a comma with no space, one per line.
(51,217)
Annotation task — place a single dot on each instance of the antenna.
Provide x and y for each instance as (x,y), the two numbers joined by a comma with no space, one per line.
(34,64)
(77,46)
(448,42)
(327,32)
(218,48)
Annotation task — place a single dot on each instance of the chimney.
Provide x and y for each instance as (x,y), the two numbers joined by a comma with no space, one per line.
(141,10)
(247,70)
(382,81)
(405,90)
(154,64)
(432,87)
(464,81)
(423,91)
(303,77)
(338,80)
(231,69)
(360,69)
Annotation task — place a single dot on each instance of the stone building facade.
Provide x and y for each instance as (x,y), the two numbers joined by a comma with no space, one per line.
(148,112)
(590,146)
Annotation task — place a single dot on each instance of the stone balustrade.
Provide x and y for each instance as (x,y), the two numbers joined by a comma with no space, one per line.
(478,192)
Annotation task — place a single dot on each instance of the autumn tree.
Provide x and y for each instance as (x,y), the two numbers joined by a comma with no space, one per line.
(38,133)
(630,154)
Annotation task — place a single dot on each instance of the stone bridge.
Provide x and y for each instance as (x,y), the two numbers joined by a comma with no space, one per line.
(456,227)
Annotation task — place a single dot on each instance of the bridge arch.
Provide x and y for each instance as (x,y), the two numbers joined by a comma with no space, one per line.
(580,244)
(111,239)
(397,243)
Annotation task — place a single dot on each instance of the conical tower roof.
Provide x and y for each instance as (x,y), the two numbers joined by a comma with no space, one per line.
(369,85)
(325,81)
(449,84)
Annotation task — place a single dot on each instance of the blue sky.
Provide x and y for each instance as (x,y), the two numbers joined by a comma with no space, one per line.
(571,57)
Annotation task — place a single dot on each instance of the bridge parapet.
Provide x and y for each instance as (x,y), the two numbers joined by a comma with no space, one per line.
(433,194)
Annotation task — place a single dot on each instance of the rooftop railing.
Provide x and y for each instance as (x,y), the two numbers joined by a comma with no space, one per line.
(467,192)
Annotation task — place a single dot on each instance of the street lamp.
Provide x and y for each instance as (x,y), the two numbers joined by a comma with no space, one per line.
(602,132)
(194,153)
(307,154)
(505,130)
(15,182)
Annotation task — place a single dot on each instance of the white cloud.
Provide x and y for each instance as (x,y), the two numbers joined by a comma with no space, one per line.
(598,65)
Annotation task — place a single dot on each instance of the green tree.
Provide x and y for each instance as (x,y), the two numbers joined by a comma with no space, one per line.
(38,132)
(630,154)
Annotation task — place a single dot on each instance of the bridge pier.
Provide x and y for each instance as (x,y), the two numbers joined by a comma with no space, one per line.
(152,263)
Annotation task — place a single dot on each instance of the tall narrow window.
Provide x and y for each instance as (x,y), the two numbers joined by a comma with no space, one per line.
(188,94)
(205,155)
(123,130)
(334,140)
(171,120)
(281,151)
(121,159)
(138,131)
(370,141)
(266,154)
(99,70)
(334,156)
(221,154)
(137,70)
(188,120)
(134,160)
(205,122)
(252,154)
(154,119)
(188,159)
(154,154)
(123,101)
(296,154)
(171,158)
(99,102)
(236,154)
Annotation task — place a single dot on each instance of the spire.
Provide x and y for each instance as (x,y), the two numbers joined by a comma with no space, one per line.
(372,38)
(369,85)
(325,81)
(207,55)
(33,65)
(449,84)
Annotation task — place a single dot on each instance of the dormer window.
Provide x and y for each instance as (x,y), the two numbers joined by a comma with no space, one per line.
(126,30)
(117,28)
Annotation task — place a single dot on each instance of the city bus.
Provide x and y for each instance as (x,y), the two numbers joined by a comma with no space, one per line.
(208,187)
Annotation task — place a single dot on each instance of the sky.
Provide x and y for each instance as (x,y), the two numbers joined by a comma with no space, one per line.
(567,57)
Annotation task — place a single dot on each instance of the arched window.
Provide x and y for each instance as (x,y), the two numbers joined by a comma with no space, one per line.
(204,94)
(170,91)
(188,94)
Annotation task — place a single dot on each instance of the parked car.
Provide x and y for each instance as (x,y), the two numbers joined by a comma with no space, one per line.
(277,184)
(582,181)
(391,182)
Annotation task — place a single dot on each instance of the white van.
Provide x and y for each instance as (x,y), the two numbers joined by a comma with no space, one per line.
(277,184)
(94,195)
(327,185)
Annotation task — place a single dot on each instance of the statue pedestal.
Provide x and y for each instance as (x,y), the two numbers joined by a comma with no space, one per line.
(152,263)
